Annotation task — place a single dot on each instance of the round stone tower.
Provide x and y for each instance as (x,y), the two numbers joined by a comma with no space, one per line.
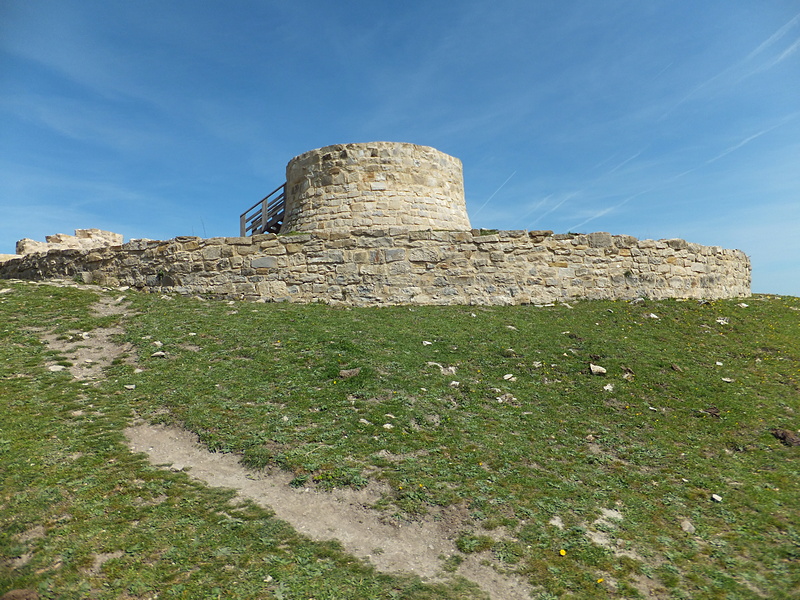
(378,184)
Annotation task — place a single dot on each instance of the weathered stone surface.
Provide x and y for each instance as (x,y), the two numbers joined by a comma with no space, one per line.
(375,186)
(407,267)
(84,239)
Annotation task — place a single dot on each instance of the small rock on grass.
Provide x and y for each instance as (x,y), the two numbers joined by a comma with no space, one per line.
(687,526)
(506,398)
(347,373)
(597,369)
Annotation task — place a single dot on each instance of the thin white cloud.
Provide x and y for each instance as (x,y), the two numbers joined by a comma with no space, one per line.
(482,206)
(625,162)
(783,55)
(668,181)
(610,209)
(746,63)
(578,193)
(782,31)
(738,145)
(556,206)
(536,207)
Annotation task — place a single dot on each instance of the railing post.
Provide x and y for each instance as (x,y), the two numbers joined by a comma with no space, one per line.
(254,222)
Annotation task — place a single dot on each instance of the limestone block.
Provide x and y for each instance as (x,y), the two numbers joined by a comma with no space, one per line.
(486,239)
(600,239)
(327,256)
(423,255)
(29,246)
(62,238)
(211,252)
(676,244)
(394,254)
(264,262)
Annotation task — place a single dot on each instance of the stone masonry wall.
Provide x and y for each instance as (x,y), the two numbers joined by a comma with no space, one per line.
(84,239)
(399,266)
(378,184)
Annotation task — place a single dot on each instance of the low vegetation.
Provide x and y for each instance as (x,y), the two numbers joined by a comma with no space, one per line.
(599,450)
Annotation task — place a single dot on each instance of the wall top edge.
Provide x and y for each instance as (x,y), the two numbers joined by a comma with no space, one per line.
(365,145)
(508,235)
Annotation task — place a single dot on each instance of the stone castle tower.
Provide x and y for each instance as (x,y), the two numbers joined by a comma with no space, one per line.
(374,185)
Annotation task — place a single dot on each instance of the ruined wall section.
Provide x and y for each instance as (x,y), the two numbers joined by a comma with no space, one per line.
(84,239)
(378,184)
(376,266)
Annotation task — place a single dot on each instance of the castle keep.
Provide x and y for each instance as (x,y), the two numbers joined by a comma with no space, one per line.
(386,223)
(356,186)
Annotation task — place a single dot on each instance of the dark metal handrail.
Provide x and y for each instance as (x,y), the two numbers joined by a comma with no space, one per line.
(266,215)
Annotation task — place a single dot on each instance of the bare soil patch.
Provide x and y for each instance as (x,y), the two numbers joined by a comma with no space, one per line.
(418,547)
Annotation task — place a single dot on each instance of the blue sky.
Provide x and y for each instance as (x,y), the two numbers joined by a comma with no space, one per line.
(658,119)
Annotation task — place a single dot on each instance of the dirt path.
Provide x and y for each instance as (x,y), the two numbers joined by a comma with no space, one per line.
(342,515)
(419,547)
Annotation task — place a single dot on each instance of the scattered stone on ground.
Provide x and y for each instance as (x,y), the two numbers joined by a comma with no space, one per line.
(347,373)
(687,526)
(597,369)
(444,370)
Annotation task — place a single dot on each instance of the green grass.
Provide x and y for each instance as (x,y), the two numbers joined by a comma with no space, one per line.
(264,381)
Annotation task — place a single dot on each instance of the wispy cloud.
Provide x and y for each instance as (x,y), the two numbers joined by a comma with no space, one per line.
(745,66)
(556,206)
(578,193)
(738,145)
(482,206)
(674,178)
(782,31)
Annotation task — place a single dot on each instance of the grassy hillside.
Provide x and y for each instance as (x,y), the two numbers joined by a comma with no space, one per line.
(659,476)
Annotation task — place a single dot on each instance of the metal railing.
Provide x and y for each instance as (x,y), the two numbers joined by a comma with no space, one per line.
(266,215)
